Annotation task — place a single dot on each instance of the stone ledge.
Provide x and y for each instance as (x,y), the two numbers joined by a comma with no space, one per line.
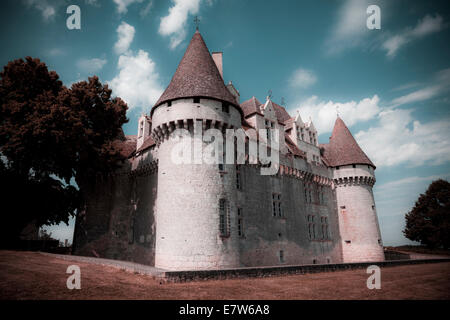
(262,272)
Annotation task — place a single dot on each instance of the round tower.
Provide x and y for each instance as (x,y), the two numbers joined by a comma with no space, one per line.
(354,177)
(196,215)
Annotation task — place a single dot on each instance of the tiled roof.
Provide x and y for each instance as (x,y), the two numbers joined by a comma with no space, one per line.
(127,146)
(343,148)
(289,123)
(197,76)
(281,113)
(149,142)
(251,106)
(293,148)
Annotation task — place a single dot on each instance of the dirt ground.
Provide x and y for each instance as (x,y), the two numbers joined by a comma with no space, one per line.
(31,275)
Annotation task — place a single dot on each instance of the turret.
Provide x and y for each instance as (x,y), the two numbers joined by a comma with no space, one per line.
(354,177)
(196,220)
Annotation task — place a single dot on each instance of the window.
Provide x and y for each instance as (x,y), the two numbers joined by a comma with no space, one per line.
(224,218)
(337,168)
(324,228)
(311,227)
(348,241)
(354,166)
(225,107)
(196,100)
(276,205)
(169,103)
(373,207)
(141,129)
(221,167)
(238,178)
(240,223)
(314,261)
(281,256)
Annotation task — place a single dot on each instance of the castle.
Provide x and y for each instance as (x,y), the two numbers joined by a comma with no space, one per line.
(317,208)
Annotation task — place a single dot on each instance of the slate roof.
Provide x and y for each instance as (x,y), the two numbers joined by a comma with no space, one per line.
(127,146)
(251,106)
(343,148)
(197,76)
(293,148)
(149,142)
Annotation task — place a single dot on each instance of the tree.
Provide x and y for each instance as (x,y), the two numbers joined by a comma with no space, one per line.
(429,220)
(51,136)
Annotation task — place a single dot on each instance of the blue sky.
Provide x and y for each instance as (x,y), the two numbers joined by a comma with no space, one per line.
(392,85)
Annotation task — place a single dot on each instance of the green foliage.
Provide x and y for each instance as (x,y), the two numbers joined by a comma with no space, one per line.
(50,136)
(429,221)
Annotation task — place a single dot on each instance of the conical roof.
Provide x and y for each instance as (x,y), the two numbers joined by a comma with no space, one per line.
(343,148)
(197,76)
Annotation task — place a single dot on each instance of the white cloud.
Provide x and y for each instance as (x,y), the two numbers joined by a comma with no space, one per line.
(302,78)
(174,23)
(440,84)
(424,27)
(47,9)
(399,139)
(91,65)
(323,113)
(144,12)
(350,28)
(56,52)
(94,3)
(138,81)
(122,5)
(125,34)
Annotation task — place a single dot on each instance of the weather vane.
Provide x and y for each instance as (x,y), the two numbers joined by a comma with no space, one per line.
(197,22)
(269,94)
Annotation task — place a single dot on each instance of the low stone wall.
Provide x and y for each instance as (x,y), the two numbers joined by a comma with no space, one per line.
(261,272)
(395,255)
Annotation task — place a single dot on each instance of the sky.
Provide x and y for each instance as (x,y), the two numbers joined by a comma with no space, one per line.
(391,86)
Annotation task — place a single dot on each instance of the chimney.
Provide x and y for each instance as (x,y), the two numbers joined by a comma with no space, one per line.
(217,57)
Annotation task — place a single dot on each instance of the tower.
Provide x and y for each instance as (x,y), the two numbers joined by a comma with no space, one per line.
(354,177)
(195,206)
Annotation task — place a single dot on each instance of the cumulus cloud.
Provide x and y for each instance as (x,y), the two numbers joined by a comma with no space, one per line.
(173,25)
(138,80)
(350,28)
(125,34)
(426,26)
(91,65)
(399,139)
(439,84)
(47,9)
(323,113)
(302,78)
(122,5)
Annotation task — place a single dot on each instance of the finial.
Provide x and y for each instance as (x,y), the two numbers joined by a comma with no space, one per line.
(197,22)
(269,94)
